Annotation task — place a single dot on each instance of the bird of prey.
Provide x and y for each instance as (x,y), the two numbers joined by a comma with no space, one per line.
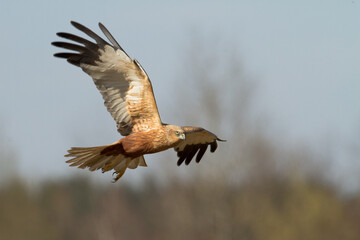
(128,95)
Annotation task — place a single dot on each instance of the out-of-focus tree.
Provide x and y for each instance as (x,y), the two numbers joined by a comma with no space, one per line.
(21,216)
(7,161)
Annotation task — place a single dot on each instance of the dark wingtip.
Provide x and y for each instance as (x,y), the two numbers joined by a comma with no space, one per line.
(213,146)
(179,162)
(61,34)
(221,140)
(56,44)
(60,55)
(78,25)
(74,23)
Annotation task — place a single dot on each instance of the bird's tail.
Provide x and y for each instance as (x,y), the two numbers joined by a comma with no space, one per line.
(96,158)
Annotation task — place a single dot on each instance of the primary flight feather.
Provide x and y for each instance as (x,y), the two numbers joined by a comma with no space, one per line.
(128,96)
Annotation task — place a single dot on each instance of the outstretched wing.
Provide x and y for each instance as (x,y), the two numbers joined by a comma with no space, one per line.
(122,82)
(197,141)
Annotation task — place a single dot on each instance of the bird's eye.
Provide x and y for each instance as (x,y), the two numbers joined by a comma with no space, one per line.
(177,132)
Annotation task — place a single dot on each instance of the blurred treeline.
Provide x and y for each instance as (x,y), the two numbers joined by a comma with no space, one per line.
(267,208)
(254,187)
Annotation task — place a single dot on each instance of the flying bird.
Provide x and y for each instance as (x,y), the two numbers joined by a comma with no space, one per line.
(128,95)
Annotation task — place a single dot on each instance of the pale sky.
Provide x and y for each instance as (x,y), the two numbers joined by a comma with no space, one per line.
(306,55)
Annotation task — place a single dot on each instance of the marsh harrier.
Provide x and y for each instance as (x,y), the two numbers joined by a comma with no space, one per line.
(128,96)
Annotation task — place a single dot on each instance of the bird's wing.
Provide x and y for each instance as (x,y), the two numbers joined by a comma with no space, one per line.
(197,140)
(122,82)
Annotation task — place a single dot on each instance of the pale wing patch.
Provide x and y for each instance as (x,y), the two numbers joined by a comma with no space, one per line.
(123,92)
(108,53)
(113,86)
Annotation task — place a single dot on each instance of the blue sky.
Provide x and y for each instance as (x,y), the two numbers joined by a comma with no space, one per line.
(306,55)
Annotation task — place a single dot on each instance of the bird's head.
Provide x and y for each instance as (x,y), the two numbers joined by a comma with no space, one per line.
(175,133)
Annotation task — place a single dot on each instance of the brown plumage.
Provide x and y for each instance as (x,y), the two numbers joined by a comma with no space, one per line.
(128,96)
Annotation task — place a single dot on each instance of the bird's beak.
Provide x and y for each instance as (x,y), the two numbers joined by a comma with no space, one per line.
(182,136)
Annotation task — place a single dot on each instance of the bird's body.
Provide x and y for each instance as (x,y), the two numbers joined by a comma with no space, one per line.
(128,96)
(151,141)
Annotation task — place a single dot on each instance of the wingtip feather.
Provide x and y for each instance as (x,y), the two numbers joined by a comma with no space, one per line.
(75,24)
(221,140)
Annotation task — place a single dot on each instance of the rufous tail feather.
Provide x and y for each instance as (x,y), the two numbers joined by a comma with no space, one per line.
(94,159)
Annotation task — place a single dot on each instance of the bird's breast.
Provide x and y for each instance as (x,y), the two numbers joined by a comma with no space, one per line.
(140,143)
